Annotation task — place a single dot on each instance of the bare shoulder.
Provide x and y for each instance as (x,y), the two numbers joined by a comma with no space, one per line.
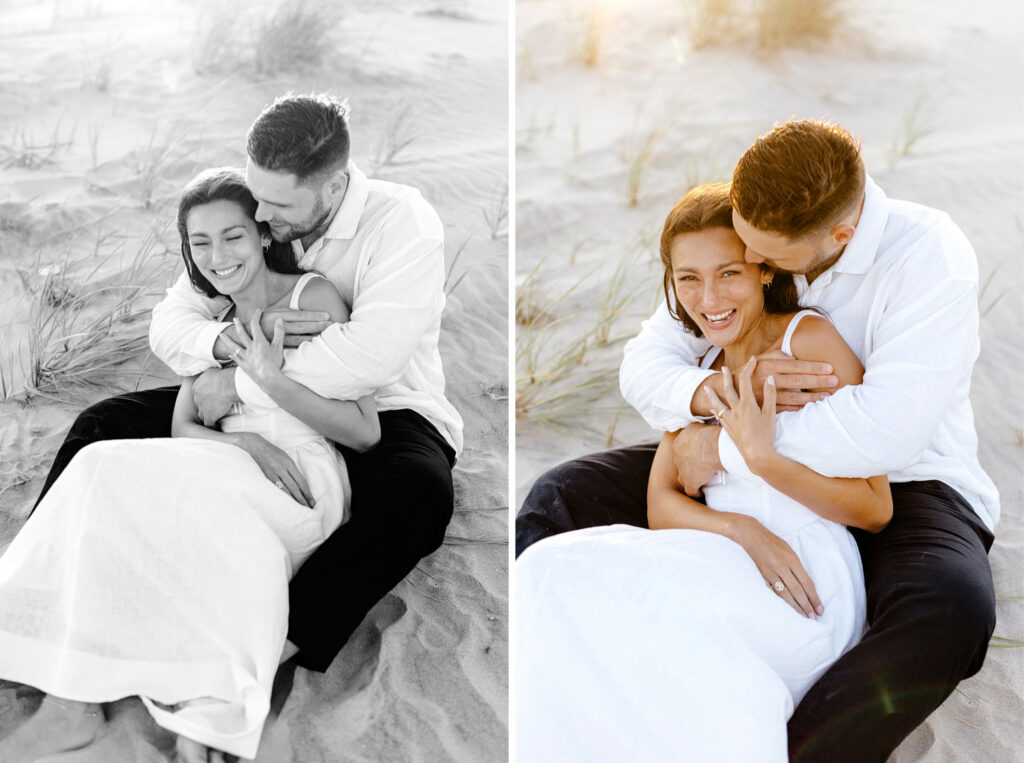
(815,338)
(320,294)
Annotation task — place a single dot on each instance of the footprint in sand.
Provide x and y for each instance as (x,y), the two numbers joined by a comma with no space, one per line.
(355,665)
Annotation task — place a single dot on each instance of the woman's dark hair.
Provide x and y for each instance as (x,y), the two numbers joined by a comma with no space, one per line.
(226,184)
(707,206)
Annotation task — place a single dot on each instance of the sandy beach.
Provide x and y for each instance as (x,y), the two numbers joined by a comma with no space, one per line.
(621,108)
(107,108)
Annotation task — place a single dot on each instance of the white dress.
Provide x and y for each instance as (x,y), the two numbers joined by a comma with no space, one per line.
(160,568)
(667,645)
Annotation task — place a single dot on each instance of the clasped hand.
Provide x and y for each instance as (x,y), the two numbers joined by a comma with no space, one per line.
(751,426)
(261,359)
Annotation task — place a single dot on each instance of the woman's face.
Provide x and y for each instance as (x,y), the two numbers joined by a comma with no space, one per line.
(225,245)
(718,289)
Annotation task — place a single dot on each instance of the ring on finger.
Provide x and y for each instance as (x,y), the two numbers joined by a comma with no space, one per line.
(279,484)
(779,587)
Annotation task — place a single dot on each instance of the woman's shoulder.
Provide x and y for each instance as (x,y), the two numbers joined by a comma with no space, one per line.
(811,334)
(816,338)
(318,293)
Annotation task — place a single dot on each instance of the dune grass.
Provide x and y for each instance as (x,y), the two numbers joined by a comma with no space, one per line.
(563,371)
(639,151)
(768,25)
(23,149)
(294,37)
(87,318)
(916,124)
(402,130)
(587,20)
(785,23)
(496,215)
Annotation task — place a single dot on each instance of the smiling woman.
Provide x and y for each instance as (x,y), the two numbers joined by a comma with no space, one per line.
(218,230)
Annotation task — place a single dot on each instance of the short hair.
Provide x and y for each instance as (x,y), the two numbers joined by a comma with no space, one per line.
(226,184)
(305,135)
(707,206)
(798,178)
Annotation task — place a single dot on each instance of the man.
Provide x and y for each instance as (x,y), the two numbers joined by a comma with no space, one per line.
(900,283)
(382,245)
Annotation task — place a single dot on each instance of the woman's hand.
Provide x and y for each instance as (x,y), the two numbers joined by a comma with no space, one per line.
(277,466)
(261,359)
(778,563)
(751,427)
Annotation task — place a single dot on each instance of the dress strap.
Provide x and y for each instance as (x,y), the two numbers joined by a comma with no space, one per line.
(299,286)
(788,336)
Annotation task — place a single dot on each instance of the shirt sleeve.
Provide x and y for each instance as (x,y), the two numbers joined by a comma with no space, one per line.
(922,350)
(184,329)
(660,374)
(399,297)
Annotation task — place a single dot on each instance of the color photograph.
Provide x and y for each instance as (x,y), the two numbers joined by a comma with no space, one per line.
(769,352)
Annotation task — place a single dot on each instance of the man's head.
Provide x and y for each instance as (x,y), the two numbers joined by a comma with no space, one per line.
(297,167)
(797,195)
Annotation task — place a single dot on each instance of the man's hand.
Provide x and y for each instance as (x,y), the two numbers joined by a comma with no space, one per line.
(299,326)
(792,376)
(213,393)
(695,453)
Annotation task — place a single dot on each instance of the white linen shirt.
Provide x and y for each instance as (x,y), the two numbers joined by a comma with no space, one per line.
(904,297)
(384,251)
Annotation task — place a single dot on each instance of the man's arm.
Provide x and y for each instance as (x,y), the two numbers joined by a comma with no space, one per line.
(184,330)
(399,300)
(922,350)
(659,373)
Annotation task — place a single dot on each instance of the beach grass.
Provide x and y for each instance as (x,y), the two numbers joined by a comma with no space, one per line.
(496,214)
(296,37)
(786,23)
(86,319)
(711,22)
(916,124)
(402,130)
(639,151)
(587,21)
(23,149)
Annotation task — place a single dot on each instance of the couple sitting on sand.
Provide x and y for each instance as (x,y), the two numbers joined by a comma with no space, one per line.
(310,442)
(753,625)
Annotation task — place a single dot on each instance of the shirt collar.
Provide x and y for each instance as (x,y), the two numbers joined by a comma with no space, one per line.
(860,253)
(346,219)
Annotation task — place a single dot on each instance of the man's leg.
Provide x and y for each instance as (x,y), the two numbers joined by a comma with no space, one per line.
(931,612)
(135,415)
(402,501)
(604,488)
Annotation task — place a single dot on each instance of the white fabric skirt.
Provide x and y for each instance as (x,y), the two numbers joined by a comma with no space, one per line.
(160,568)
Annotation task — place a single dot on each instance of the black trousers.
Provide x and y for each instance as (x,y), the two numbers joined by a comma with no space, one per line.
(402,501)
(930,601)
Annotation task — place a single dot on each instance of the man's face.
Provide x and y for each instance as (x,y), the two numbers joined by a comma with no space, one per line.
(292,209)
(810,256)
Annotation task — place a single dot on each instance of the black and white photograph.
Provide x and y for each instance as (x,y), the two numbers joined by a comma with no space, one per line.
(254,381)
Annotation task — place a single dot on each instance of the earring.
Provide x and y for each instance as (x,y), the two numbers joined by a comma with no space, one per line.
(266,246)
(767,285)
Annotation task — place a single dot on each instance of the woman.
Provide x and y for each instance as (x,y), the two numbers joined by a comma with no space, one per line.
(694,640)
(159,568)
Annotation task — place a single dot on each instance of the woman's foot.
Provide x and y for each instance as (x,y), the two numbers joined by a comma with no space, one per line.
(57,726)
(190,751)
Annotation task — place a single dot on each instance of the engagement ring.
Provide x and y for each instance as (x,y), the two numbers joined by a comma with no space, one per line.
(778,586)
(279,484)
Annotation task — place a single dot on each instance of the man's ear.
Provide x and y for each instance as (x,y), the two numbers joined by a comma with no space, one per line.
(842,233)
(336,184)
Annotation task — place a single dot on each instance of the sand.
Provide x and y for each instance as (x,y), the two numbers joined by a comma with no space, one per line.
(106,111)
(952,76)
